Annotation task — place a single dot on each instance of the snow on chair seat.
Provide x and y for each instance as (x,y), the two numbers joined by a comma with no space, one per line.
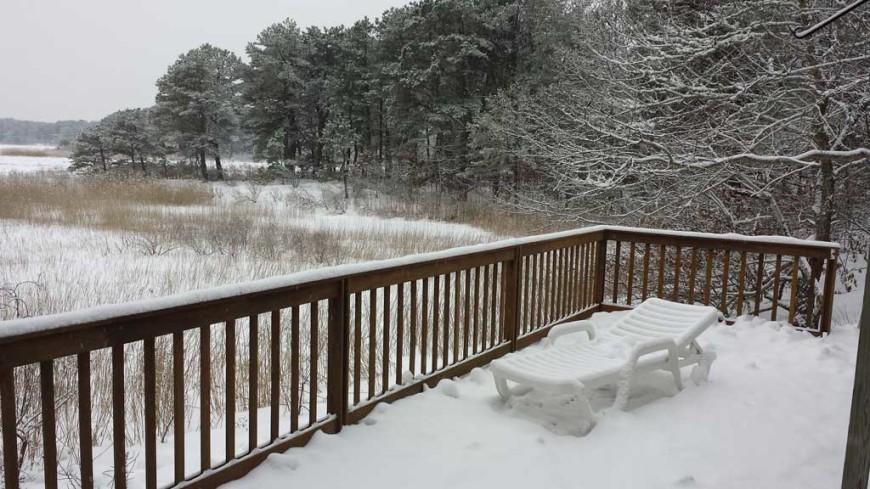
(656,335)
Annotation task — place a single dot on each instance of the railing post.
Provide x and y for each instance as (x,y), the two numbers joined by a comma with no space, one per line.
(828,299)
(511,302)
(337,356)
(7,415)
(600,265)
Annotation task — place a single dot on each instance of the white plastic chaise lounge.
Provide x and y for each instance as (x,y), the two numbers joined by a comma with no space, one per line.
(656,335)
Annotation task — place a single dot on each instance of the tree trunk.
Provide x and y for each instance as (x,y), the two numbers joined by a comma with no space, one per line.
(217,162)
(826,205)
(345,171)
(202,166)
(142,162)
(103,159)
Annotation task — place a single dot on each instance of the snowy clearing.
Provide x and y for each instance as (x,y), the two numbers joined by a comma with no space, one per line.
(9,163)
(774,414)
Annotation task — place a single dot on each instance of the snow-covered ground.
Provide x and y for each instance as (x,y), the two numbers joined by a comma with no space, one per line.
(9,164)
(774,414)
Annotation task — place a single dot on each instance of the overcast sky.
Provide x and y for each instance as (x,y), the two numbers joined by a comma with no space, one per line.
(82,59)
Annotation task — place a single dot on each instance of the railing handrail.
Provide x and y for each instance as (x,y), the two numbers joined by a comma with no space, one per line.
(102,315)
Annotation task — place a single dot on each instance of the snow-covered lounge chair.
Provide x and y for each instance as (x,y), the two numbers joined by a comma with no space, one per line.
(657,334)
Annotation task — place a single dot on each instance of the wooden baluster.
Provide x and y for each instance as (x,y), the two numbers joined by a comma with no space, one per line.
(572,279)
(547,287)
(49,455)
(741,284)
(660,290)
(497,330)
(476,316)
(630,278)
(708,280)
(828,293)
(8,417)
(592,264)
(413,345)
(775,302)
(150,374)
(534,306)
(446,316)
(616,259)
(584,276)
(275,374)
(794,290)
(556,278)
(557,284)
(295,369)
(86,452)
(726,262)
(566,281)
(424,331)
(457,309)
(525,319)
(466,326)
(119,441)
(205,397)
(400,331)
(487,329)
(230,441)
(357,347)
(253,380)
(758,283)
(644,286)
(542,290)
(677,262)
(436,306)
(693,275)
(385,354)
(373,340)
(314,378)
(178,403)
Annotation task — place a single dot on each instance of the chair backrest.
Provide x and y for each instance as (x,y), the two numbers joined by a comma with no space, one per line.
(658,318)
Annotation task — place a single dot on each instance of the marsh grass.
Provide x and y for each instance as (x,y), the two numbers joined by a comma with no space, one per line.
(33,152)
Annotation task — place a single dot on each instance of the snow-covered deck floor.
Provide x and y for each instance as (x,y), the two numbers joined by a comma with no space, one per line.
(774,414)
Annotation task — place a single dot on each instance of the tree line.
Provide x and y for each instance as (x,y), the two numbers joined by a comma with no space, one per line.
(703,115)
(397,96)
(61,133)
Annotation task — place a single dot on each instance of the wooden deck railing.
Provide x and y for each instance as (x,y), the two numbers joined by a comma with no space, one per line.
(332,344)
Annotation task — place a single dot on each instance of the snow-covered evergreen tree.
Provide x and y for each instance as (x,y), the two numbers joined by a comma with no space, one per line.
(199,101)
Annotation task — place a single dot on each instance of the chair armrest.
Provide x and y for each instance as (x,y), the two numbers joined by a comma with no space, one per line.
(560,330)
(653,346)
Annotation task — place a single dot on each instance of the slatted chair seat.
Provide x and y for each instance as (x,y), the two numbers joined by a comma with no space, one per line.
(656,335)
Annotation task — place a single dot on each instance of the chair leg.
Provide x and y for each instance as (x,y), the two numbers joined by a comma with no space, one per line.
(505,391)
(586,412)
(623,389)
(701,371)
(674,367)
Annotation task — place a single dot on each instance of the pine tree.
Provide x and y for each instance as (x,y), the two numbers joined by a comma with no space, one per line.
(272,91)
(199,101)
(128,133)
(91,149)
